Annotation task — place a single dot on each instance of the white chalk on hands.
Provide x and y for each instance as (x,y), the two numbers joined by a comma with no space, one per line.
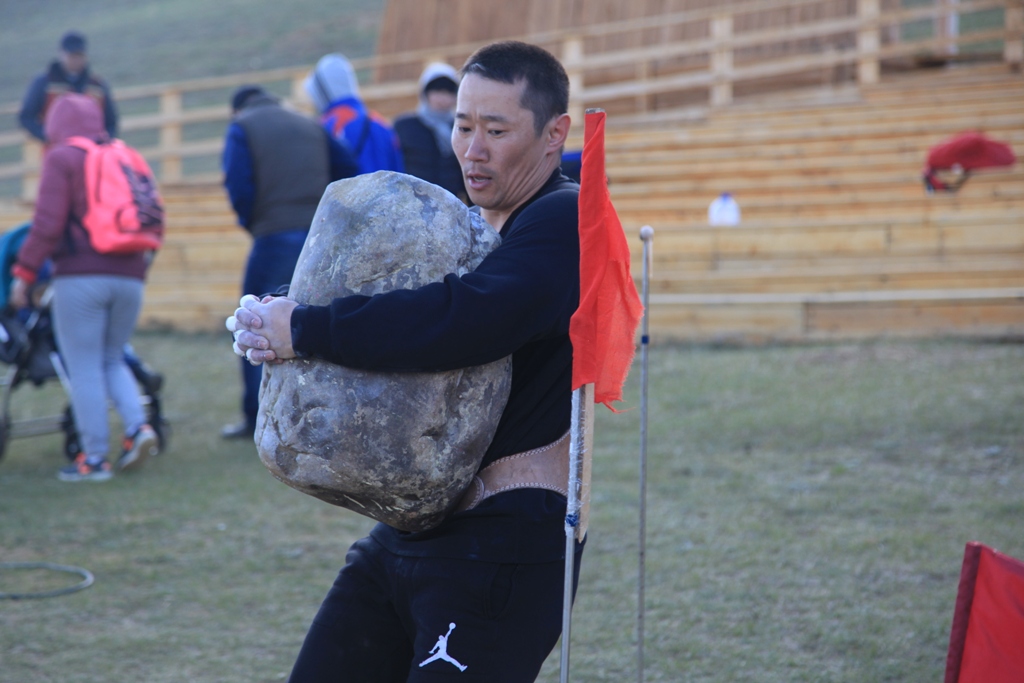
(248,357)
(247,297)
(232,324)
(237,349)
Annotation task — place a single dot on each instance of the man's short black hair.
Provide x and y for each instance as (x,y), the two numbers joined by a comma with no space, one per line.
(242,96)
(73,42)
(547,86)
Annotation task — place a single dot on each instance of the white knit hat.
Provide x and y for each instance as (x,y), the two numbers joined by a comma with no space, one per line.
(437,70)
(333,79)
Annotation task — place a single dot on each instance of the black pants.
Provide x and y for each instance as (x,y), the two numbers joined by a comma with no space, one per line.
(394,619)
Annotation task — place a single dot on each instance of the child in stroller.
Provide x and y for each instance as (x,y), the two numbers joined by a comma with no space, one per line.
(28,346)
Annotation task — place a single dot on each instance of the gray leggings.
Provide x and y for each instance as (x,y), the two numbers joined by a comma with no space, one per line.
(94,317)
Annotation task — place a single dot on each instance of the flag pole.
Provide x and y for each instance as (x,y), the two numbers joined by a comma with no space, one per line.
(571,523)
(581,433)
(603,334)
(647,236)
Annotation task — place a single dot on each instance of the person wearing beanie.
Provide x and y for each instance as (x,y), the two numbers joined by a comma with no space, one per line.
(425,135)
(276,164)
(334,90)
(68,73)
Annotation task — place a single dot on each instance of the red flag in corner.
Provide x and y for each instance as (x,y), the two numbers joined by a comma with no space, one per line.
(603,328)
(986,643)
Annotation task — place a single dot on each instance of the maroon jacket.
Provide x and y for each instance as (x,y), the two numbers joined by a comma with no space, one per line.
(57,231)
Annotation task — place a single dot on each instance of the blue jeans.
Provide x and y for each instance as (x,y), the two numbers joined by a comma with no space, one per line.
(271,264)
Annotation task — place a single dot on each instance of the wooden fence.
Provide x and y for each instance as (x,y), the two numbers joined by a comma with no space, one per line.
(664,68)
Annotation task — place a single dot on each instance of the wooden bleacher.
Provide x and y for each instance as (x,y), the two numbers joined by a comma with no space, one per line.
(838,238)
(196,281)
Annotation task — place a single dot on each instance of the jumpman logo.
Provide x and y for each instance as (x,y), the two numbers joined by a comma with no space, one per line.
(440,651)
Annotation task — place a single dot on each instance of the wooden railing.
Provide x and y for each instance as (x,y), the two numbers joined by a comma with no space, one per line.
(667,67)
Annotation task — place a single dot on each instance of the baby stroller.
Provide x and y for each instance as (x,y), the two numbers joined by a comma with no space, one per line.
(29,348)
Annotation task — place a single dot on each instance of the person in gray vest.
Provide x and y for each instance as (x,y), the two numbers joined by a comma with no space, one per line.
(276,164)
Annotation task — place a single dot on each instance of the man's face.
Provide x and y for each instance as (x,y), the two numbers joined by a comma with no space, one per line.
(440,100)
(502,157)
(73,62)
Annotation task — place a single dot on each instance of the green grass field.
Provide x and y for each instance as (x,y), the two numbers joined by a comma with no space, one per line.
(807,512)
(135,42)
(132,42)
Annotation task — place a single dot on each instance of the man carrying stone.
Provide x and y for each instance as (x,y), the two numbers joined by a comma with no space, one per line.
(485,586)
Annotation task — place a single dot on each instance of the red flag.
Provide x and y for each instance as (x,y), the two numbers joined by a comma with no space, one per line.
(986,643)
(603,328)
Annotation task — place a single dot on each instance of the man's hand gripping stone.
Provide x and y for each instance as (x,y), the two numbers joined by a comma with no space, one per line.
(262,329)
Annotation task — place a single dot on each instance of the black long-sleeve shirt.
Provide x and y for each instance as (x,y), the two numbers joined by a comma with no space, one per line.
(518,301)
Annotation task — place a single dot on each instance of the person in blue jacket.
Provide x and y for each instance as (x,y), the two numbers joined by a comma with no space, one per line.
(479,596)
(68,73)
(277,164)
(334,89)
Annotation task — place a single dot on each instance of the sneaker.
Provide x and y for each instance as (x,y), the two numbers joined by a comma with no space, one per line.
(238,430)
(138,447)
(81,470)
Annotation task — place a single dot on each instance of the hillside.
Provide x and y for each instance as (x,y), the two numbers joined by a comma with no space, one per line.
(134,42)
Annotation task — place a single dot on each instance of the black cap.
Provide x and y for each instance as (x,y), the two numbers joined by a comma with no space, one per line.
(73,41)
(442,83)
(243,94)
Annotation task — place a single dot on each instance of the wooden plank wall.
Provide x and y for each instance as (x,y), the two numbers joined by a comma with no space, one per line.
(423,24)
(426,24)
(420,24)
(414,25)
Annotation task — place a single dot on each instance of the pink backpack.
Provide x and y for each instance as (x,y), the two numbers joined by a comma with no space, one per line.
(124,211)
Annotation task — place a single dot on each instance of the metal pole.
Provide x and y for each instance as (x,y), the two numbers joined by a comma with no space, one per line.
(647,236)
(572,511)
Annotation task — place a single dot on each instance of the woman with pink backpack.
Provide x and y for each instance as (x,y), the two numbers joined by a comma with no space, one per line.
(97,295)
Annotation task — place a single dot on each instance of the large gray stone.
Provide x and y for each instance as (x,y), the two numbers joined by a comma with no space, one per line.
(398,447)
